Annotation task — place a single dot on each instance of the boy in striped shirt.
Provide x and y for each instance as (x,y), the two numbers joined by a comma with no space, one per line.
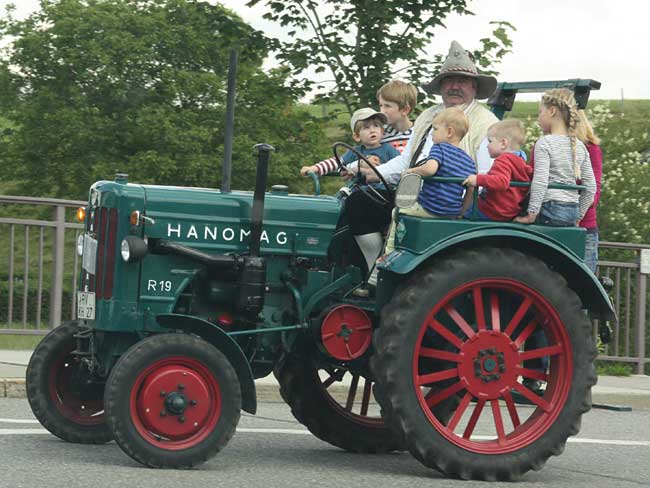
(446,159)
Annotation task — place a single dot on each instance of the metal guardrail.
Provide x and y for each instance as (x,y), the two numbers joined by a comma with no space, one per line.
(630,297)
(629,293)
(50,245)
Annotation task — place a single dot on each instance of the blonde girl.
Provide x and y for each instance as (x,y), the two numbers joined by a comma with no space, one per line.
(560,157)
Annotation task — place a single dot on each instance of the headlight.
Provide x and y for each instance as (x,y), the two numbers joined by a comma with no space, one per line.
(80,244)
(133,249)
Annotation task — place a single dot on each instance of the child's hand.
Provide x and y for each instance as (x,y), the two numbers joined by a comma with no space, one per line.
(470,180)
(306,169)
(527,219)
(374,160)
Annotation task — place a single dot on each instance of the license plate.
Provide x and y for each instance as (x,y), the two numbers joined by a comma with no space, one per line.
(86,305)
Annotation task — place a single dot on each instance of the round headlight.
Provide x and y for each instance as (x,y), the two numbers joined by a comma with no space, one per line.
(133,249)
(80,245)
(125,250)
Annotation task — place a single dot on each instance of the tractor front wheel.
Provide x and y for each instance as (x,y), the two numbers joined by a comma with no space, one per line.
(486,306)
(63,395)
(172,401)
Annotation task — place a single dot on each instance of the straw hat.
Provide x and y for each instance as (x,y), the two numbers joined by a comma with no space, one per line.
(458,63)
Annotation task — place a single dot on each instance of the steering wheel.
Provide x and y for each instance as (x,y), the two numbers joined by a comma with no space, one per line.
(359,181)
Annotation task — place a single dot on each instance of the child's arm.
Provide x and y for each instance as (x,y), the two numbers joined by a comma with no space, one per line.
(498,178)
(307,169)
(467,200)
(539,183)
(427,169)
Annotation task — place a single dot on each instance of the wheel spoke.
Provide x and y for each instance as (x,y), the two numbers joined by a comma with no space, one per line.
(516,319)
(434,399)
(352,393)
(446,333)
(541,352)
(531,373)
(498,422)
(512,409)
(533,397)
(460,321)
(494,311)
(526,333)
(438,376)
(438,354)
(458,414)
(473,419)
(477,293)
(332,378)
(366,397)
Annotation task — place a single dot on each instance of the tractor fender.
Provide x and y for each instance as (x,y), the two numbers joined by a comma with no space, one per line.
(560,259)
(222,341)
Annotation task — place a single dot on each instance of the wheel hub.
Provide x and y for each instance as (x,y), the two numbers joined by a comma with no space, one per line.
(174,402)
(489,365)
(346,332)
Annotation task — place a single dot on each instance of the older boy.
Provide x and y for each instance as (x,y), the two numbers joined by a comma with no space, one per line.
(498,200)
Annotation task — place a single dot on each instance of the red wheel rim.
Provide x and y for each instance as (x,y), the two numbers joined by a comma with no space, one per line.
(62,378)
(484,325)
(346,332)
(175,403)
(347,401)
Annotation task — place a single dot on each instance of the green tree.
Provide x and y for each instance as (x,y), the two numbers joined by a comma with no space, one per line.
(95,86)
(363,43)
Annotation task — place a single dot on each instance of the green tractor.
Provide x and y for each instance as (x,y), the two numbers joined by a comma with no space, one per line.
(187,295)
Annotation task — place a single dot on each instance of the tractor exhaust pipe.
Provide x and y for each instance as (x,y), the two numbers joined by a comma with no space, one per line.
(226,170)
(252,275)
(257,212)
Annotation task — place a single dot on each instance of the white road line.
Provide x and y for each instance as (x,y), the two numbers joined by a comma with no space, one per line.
(573,440)
(18,421)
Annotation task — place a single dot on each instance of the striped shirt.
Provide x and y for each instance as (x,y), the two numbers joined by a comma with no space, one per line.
(446,198)
(391,136)
(554,164)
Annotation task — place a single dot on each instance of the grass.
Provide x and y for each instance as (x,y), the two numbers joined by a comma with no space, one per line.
(16,342)
(607,368)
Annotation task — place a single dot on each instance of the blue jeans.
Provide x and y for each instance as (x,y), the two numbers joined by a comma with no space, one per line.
(591,249)
(558,214)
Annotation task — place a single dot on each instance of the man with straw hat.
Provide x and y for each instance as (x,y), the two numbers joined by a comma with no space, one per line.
(460,85)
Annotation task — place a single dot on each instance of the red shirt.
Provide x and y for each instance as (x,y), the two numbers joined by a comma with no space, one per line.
(501,201)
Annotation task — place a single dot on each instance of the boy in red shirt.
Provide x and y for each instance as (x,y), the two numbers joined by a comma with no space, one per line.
(498,200)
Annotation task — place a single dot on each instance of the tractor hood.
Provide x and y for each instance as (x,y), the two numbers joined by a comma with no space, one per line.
(219,222)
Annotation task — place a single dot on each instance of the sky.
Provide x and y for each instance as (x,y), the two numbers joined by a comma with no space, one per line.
(555,39)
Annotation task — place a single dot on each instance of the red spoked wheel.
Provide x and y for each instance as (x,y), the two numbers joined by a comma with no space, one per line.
(335,402)
(172,401)
(62,393)
(464,330)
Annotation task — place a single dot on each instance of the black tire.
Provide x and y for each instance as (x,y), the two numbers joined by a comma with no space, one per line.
(161,422)
(57,391)
(312,405)
(482,365)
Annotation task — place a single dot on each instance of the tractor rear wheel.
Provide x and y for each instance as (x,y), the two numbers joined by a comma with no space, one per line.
(335,404)
(485,304)
(172,401)
(62,394)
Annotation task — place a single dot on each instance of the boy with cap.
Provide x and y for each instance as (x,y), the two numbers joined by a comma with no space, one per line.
(367,130)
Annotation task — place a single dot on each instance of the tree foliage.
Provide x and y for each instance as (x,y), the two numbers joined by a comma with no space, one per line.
(95,86)
(362,44)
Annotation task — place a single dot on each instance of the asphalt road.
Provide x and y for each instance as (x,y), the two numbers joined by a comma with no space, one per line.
(272,450)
